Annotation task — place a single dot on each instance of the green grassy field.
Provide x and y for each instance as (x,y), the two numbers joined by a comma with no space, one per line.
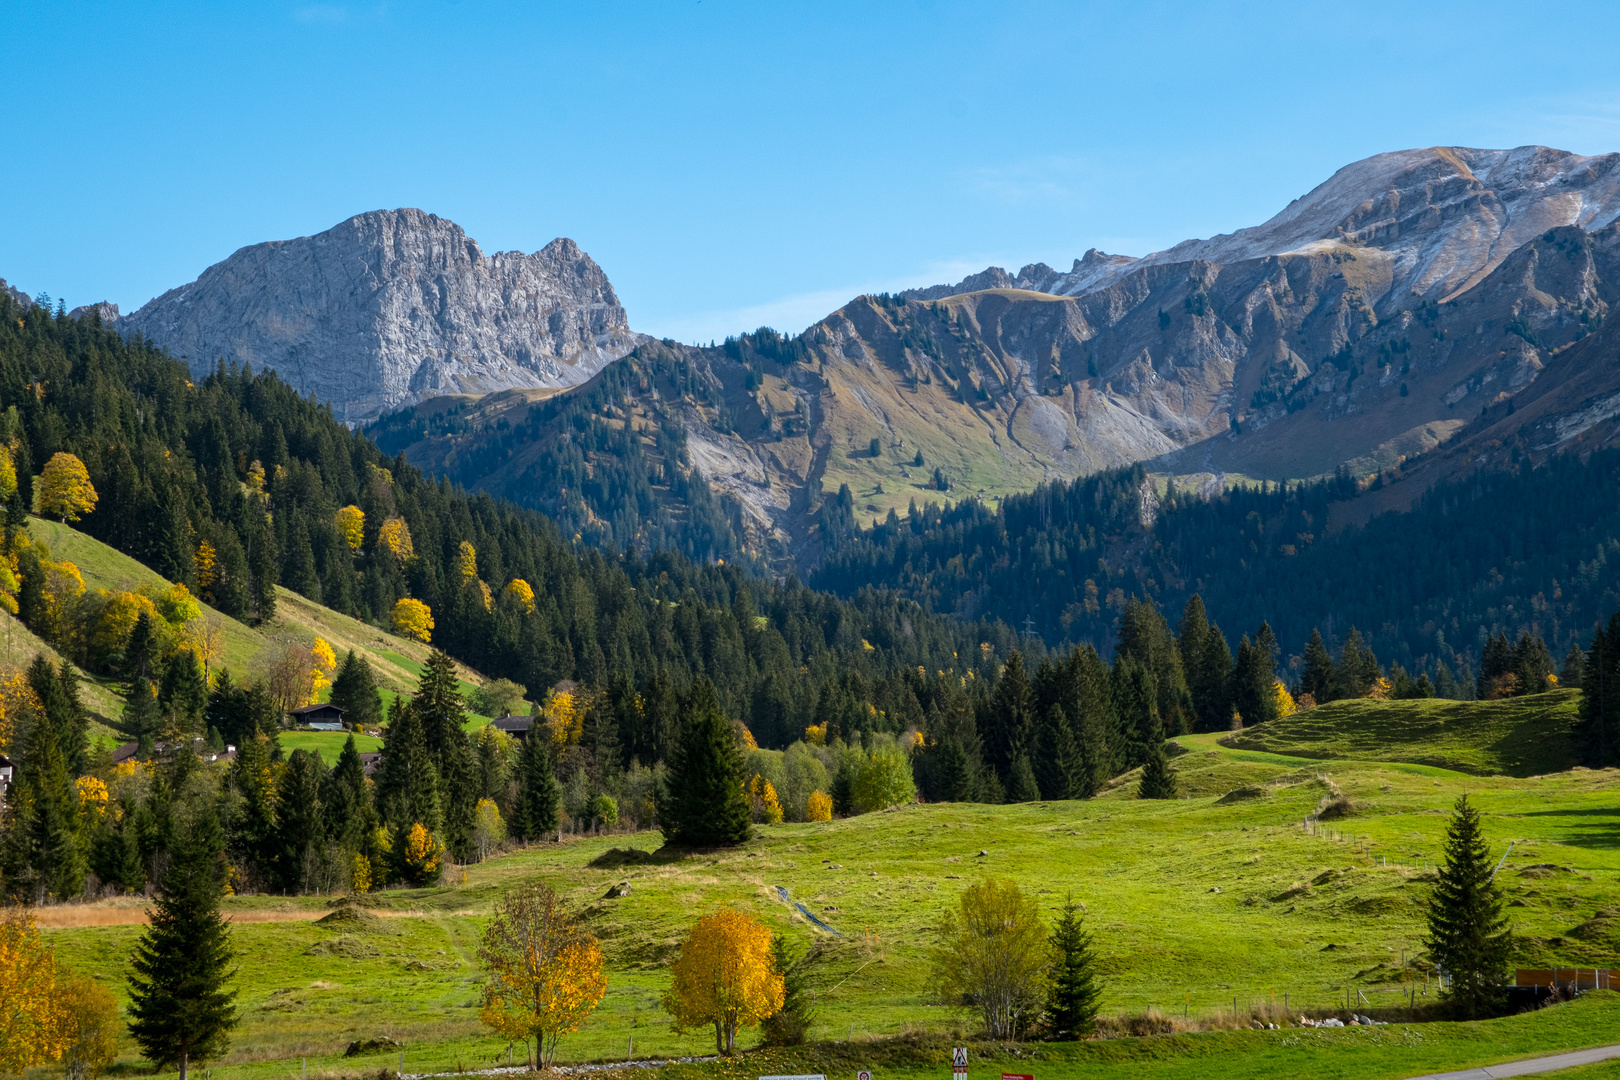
(1194,902)
(1519,736)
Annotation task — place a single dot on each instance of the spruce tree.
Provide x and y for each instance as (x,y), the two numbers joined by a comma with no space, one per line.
(1569,673)
(182,1011)
(58,693)
(1254,682)
(1208,663)
(1496,662)
(535,816)
(703,803)
(1144,636)
(789,1025)
(354,690)
(44,857)
(441,712)
(142,654)
(1599,730)
(1469,937)
(1533,664)
(300,820)
(1008,720)
(1074,991)
(141,717)
(1319,678)
(954,778)
(407,781)
(1057,758)
(344,800)
(1021,785)
(183,695)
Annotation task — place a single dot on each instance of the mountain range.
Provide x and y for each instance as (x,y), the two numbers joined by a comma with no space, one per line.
(1377,319)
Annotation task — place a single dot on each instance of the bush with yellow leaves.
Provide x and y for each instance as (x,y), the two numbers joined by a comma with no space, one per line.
(724,977)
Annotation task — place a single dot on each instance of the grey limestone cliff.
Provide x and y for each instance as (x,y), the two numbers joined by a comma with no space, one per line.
(393,307)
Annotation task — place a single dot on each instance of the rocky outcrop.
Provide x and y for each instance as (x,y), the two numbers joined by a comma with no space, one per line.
(392,307)
(107,312)
(16,294)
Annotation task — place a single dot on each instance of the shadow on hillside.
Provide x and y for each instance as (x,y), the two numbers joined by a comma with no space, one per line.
(1596,834)
(613,858)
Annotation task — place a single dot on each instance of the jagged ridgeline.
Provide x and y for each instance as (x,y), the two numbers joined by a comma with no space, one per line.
(242,463)
(1508,551)
(609,462)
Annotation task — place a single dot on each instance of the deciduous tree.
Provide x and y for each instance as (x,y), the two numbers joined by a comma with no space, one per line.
(992,956)
(724,977)
(35,1023)
(413,619)
(64,490)
(545,970)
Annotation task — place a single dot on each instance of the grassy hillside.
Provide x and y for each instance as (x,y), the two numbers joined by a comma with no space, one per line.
(397,661)
(1516,737)
(1193,902)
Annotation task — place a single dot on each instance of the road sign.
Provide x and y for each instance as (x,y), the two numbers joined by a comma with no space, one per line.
(799,1076)
(1016,1076)
(958,1057)
(864,1074)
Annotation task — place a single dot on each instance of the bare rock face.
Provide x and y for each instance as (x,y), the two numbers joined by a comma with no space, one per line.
(22,298)
(108,312)
(392,307)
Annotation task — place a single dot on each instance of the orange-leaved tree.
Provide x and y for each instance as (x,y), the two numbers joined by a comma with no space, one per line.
(724,977)
(545,970)
(35,1024)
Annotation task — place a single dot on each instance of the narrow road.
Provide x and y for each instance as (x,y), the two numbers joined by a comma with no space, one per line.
(1530,1066)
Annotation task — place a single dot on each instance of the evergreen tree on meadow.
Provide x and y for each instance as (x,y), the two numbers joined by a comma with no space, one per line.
(1254,682)
(535,816)
(954,780)
(181,1010)
(1057,757)
(1207,660)
(1008,719)
(1091,719)
(354,690)
(1320,678)
(1022,786)
(1468,933)
(300,820)
(1532,664)
(1144,636)
(1571,670)
(1137,729)
(1158,778)
(407,782)
(1358,667)
(1496,662)
(345,801)
(703,804)
(440,711)
(251,829)
(142,655)
(1598,733)
(1074,991)
(141,719)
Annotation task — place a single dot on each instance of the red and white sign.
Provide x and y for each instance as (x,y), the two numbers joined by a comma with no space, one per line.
(1016,1076)
(864,1074)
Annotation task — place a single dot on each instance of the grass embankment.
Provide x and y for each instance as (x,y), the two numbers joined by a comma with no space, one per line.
(1193,903)
(397,661)
(1517,737)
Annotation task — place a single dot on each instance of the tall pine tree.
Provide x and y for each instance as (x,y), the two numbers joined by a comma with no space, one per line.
(703,803)
(1469,937)
(1074,992)
(354,690)
(535,816)
(182,1012)
(1320,678)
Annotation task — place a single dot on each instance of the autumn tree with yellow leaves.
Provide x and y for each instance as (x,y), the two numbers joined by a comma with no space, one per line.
(351,525)
(522,593)
(64,490)
(413,619)
(724,977)
(395,538)
(35,1024)
(544,967)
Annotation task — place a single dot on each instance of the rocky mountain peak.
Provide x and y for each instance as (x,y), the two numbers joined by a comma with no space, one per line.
(394,306)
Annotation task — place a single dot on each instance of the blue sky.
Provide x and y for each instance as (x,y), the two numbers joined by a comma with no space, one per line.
(735,164)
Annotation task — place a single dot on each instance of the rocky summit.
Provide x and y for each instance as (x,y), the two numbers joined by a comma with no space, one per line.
(392,307)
